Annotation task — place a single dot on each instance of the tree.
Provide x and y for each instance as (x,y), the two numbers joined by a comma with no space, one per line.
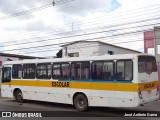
(59,54)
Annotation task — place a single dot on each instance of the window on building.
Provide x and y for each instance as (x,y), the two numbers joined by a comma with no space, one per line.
(124,70)
(29,71)
(76,54)
(44,71)
(17,71)
(80,70)
(111,52)
(103,70)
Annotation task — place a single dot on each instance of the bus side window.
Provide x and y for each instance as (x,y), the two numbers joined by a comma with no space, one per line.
(43,71)
(80,70)
(29,71)
(17,71)
(85,68)
(6,76)
(108,70)
(124,70)
(56,71)
(103,70)
(65,70)
(97,70)
(75,70)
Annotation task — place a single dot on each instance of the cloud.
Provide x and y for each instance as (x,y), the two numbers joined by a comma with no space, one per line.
(81,16)
(12,6)
(134,4)
(83,7)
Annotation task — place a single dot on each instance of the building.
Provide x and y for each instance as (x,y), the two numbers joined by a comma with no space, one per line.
(92,48)
(10,57)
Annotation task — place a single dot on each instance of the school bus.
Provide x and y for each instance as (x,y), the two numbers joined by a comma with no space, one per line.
(127,80)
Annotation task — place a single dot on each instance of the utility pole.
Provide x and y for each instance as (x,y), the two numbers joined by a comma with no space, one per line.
(53,3)
(72,26)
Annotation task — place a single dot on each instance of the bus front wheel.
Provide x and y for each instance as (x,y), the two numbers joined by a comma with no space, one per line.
(18,96)
(81,102)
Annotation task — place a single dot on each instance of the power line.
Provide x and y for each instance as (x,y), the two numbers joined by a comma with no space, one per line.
(70,32)
(33,9)
(55,31)
(111,27)
(81,46)
(105,38)
(39,51)
(128,17)
(79,40)
(93,39)
(89,33)
(59,43)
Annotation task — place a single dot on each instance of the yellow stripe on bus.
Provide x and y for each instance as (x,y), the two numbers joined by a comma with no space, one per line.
(126,87)
(132,87)
(148,85)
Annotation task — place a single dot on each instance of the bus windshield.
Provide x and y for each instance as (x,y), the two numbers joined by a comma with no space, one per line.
(147,64)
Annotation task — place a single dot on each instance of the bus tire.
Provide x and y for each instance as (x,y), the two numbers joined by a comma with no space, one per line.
(81,102)
(19,96)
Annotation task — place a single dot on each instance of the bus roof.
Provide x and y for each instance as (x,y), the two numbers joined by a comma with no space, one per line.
(71,59)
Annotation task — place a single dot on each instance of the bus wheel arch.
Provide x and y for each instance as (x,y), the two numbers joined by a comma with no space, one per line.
(17,93)
(80,101)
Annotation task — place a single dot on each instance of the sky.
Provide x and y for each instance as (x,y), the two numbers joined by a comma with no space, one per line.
(42,31)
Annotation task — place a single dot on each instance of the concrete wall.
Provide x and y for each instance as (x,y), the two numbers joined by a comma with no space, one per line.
(83,48)
(104,48)
(92,49)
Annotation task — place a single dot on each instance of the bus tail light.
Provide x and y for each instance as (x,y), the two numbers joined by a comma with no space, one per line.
(139,92)
(157,93)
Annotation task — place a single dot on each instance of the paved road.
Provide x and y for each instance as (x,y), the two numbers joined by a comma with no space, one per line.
(69,111)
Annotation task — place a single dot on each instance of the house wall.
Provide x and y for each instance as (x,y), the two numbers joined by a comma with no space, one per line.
(103,49)
(92,49)
(83,48)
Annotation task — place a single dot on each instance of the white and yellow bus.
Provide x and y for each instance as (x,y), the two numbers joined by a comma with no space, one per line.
(127,80)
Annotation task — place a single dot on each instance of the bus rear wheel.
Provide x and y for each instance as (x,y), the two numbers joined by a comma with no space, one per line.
(18,96)
(81,102)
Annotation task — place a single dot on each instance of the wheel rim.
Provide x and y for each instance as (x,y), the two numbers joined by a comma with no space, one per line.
(19,96)
(81,103)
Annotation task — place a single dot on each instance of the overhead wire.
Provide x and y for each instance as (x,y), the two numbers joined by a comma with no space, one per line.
(33,9)
(89,33)
(79,40)
(110,31)
(75,25)
(28,38)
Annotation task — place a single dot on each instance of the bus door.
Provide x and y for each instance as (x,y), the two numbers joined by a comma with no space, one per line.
(6,79)
(148,76)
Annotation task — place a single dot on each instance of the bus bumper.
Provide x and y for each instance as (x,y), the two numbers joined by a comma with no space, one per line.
(141,102)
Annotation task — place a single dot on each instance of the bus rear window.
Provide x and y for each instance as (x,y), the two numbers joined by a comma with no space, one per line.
(147,64)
